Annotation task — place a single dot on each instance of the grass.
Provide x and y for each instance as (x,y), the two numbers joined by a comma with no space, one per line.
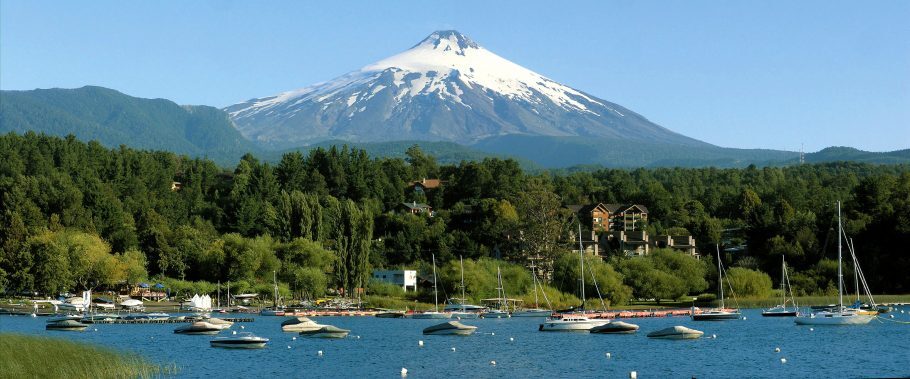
(24,356)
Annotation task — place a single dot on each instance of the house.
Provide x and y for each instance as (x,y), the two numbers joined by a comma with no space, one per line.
(685,244)
(425,184)
(406,279)
(416,208)
(612,217)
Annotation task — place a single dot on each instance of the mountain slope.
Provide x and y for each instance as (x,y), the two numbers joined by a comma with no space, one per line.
(113,118)
(445,88)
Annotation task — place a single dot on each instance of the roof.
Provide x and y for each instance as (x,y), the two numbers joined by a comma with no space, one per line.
(427,183)
(415,205)
(616,208)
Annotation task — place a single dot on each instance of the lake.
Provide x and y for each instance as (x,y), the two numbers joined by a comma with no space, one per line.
(742,348)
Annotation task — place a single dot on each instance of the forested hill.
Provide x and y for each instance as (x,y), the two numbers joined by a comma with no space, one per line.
(77,215)
(113,119)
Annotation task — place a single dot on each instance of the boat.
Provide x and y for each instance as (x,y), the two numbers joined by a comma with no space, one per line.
(571,322)
(132,305)
(199,327)
(721,313)
(450,328)
(434,314)
(274,310)
(64,318)
(245,340)
(615,327)
(781,310)
(94,317)
(536,311)
(73,304)
(462,310)
(223,324)
(868,309)
(327,331)
(574,321)
(840,315)
(501,303)
(389,313)
(676,333)
(300,324)
(66,325)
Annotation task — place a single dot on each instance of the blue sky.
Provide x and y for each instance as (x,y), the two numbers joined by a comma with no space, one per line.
(746,74)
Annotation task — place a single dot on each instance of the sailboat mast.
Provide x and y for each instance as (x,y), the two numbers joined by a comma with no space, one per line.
(783,291)
(581,258)
(463,298)
(534,276)
(840,272)
(435,292)
(720,277)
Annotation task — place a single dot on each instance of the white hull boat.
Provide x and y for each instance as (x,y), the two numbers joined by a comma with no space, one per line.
(676,333)
(845,317)
(300,324)
(243,341)
(450,328)
(199,328)
(532,313)
(328,331)
(570,324)
(431,315)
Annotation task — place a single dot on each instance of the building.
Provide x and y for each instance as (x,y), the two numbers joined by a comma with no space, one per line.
(612,217)
(416,208)
(406,279)
(622,227)
(425,184)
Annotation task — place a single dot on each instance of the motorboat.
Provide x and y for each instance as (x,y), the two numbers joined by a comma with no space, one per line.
(300,324)
(244,340)
(73,304)
(92,318)
(450,328)
(66,325)
(430,315)
(388,313)
(223,324)
(271,312)
(570,323)
(465,315)
(199,327)
(327,331)
(64,318)
(496,313)
(676,333)
(132,304)
(615,327)
(780,311)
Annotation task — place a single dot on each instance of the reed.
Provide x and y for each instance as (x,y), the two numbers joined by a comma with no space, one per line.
(23,356)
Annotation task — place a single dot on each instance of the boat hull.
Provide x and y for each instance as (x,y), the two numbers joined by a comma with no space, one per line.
(465,315)
(617,327)
(716,316)
(571,326)
(451,328)
(835,319)
(676,333)
(390,315)
(235,345)
(533,313)
(780,314)
(430,316)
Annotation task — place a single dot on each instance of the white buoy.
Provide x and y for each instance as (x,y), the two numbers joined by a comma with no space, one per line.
(232,332)
(892,316)
(242,327)
(608,355)
(319,353)
(96,329)
(293,338)
(493,363)
(358,337)
(633,375)
(777,350)
(783,360)
(453,349)
(744,317)
(404,371)
(811,329)
(714,336)
(420,343)
(34,315)
(493,334)
(289,346)
(511,339)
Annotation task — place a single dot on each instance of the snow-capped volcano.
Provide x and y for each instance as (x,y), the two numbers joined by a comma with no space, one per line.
(447,87)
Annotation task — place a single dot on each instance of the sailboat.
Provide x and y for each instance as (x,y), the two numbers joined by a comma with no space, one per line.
(577,321)
(536,311)
(869,308)
(459,308)
(785,288)
(502,310)
(840,315)
(274,310)
(721,313)
(434,314)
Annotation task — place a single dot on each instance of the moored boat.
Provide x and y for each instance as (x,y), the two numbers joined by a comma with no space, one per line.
(676,333)
(450,328)
(198,327)
(300,324)
(66,325)
(327,331)
(570,323)
(241,341)
(390,314)
(781,310)
(615,327)
(721,313)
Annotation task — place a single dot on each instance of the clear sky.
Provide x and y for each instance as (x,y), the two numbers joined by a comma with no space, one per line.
(748,74)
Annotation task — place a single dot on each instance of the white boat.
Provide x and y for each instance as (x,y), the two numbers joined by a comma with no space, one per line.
(244,340)
(64,318)
(132,305)
(274,310)
(464,315)
(450,328)
(536,311)
(462,310)
(73,304)
(782,310)
(66,325)
(499,307)
(223,324)
(496,313)
(199,327)
(570,323)
(300,324)
(434,314)
(327,331)
(676,333)
(721,313)
(840,315)
(615,327)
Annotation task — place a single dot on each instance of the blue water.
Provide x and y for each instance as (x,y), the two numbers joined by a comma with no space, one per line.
(743,348)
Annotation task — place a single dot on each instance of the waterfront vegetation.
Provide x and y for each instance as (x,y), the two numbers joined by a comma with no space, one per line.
(77,215)
(24,356)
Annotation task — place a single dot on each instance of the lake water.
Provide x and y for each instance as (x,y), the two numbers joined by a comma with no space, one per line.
(743,348)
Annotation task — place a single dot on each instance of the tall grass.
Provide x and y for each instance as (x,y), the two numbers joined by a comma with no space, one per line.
(24,356)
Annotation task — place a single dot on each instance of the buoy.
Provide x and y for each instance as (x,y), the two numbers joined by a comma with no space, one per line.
(293,338)
(608,355)
(633,375)
(358,337)
(34,315)
(96,329)
(319,353)
(714,336)
(783,360)
(289,346)
(811,329)
(892,316)
(744,317)
(493,363)
(453,349)
(232,332)
(777,350)
(493,334)
(242,327)
(511,339)
(420,343)
(404,371)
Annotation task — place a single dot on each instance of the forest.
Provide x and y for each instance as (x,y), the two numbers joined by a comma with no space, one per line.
(77,215)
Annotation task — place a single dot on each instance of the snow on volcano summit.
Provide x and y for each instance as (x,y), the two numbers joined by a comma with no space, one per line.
(447,87)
